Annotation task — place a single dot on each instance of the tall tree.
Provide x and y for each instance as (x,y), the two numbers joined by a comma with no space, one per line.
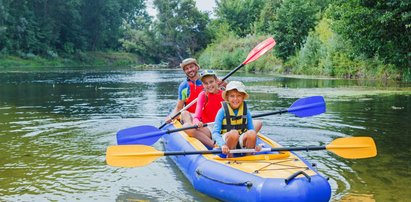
(267,16)
(294,20)
(46,27)
(3,28)
(239,14)
(376,28)
(180,29)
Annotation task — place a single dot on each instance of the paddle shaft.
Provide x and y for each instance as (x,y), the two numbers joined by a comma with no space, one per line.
(179,112)
(183,153)
(204,125)
(291,109)
(271,113)
(233,71)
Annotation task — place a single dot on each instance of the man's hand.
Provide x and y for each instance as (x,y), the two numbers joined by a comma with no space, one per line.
(168,119)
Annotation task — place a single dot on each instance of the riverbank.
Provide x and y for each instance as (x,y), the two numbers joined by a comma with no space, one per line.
(93,60)
(118,60)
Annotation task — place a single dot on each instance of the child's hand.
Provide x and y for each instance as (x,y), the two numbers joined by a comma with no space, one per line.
(225,149)
(222,84)
(257,148)
(200,124)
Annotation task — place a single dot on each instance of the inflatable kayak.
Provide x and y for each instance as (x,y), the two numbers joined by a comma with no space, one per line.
(265,176)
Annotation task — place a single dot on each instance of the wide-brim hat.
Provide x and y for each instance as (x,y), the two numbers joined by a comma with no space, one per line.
(207,72)
(235,85)
(188,61)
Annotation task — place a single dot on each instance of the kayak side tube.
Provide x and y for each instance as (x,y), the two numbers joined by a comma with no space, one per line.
(229,184)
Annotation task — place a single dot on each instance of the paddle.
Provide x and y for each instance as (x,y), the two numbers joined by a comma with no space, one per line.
(141,155)
(257,51)
(148,135)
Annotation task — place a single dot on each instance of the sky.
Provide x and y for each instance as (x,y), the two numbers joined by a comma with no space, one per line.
(202,5)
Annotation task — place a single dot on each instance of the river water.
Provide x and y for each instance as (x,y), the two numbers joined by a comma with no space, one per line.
(56,126)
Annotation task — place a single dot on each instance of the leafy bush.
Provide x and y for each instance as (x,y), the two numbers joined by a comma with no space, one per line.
(229,52)
(326,53)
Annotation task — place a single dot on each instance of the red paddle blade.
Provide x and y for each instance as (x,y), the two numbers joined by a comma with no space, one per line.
(259,50)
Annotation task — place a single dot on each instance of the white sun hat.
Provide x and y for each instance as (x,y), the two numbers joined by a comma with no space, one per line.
(237,85)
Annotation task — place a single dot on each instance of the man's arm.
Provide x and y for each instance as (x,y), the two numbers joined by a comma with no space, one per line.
(180,102)
(179,106)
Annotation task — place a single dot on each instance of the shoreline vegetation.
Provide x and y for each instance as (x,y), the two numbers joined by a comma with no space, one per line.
(341,39)
(122,60)
(94,60)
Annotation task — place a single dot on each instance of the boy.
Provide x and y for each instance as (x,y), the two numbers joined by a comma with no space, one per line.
(233,126)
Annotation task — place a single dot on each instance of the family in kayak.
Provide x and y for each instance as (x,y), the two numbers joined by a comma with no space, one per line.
(233,128)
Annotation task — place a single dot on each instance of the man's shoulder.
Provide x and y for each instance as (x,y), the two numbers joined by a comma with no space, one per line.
(198,82)
(184,84)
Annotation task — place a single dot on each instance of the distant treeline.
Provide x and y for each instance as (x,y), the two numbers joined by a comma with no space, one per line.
(53,27)
(356,38)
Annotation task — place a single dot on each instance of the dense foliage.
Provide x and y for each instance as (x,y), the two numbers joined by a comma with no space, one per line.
(359,38)
(239,14)
(180,28)
(352,39)
(376,28)
(50,27)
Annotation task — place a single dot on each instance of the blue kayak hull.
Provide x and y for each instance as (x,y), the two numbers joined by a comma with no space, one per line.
(232,180)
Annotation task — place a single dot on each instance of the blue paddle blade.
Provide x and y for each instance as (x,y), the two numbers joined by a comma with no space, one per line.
(308,106)
(144,134)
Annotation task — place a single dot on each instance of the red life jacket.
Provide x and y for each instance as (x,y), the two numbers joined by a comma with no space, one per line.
(211,106)
(194,91)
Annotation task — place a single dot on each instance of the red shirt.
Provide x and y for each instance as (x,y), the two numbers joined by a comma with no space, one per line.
(208,105)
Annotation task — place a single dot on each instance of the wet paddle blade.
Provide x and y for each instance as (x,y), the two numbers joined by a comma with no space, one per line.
(131,155)
(259,50)
(308,106)
(144,134)
(353,147)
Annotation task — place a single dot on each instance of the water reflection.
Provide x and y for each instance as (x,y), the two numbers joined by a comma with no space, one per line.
(56,126)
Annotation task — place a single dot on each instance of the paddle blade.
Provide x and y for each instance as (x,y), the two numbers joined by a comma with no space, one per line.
(259,50)
(308,106)
(131,155)
(353,147)
(144,134)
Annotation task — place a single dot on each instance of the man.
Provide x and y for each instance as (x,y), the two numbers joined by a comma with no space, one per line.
(189,88)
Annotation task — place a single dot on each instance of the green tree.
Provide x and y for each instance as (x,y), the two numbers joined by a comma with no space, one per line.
(267,16)
(376,28)
(239,14)
(45,27)
(180,29)
(3,28)
(141,42)
(21,26)
(294,20)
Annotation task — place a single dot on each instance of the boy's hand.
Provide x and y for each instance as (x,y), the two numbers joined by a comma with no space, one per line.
(225,149)
(257,148)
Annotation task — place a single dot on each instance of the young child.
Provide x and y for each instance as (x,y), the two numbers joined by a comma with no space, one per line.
(208,104)
(233,126)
